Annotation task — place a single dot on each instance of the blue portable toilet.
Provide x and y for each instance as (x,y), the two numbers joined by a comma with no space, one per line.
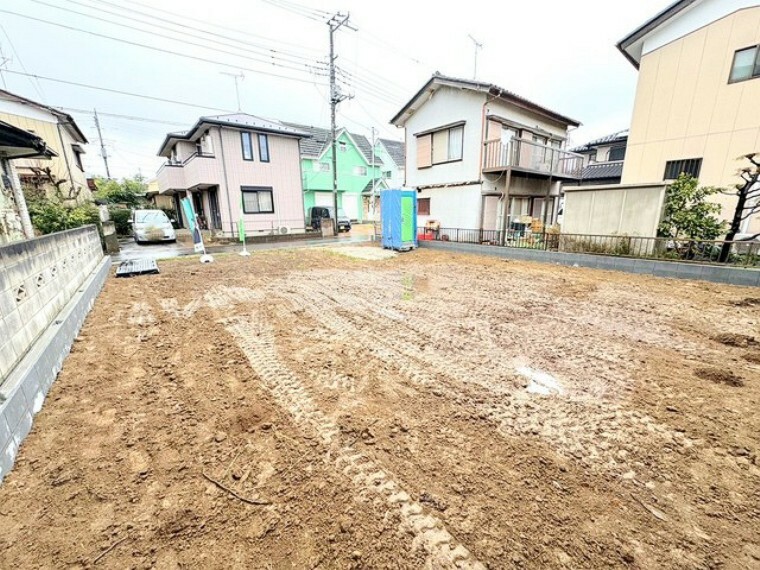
(399,215)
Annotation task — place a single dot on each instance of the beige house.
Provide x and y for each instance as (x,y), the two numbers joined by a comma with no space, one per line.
(16,145)
(233,165)
(484,158)
(62,175)
(697,107)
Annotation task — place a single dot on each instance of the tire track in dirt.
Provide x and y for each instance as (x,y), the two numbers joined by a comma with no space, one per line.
(604,440)
(256,339)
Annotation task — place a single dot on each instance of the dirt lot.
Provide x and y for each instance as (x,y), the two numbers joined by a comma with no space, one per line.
(305,409)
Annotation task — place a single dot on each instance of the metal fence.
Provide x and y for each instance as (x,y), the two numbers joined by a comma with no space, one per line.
(737,253)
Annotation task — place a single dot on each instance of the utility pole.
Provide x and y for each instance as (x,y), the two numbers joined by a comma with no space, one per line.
(373,174)
(478,46)
(103,152)
(335,23)
(235,76)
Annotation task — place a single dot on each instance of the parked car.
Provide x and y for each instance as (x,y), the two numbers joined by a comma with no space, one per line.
(151,226)
(319,213)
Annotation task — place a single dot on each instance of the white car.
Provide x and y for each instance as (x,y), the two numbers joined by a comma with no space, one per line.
(152,225)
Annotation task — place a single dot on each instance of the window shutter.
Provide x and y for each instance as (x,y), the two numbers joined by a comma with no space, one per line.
(440,146)
(424,151)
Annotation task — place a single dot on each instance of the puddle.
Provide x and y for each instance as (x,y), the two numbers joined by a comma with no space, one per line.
(541,383)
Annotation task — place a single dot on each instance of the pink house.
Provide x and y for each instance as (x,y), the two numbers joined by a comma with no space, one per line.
(233,163)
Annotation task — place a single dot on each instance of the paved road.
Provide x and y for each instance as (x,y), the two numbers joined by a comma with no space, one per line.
(131,250)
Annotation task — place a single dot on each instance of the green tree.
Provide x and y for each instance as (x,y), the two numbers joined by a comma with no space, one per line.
(129,191)
(50,216)
(688,213)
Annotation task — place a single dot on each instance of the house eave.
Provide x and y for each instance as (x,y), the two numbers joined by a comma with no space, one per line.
(649,26)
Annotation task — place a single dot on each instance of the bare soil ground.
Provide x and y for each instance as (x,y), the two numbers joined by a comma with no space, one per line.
(304,409)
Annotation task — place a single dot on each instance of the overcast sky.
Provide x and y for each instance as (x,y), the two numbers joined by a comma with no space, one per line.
(560,54)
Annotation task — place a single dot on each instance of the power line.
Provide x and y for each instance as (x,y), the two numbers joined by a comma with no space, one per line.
(255,48)
(153,48)
(301,66)
(300,10)
(125,117)
(118,92)
(37,87)
(220,27)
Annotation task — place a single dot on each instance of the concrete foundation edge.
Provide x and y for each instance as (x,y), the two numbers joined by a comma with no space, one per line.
(24,391)
(672,269)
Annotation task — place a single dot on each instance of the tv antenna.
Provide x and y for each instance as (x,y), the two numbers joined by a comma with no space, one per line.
(235,76)
(478,46)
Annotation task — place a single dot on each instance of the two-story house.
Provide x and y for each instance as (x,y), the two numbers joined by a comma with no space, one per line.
(233,164)
(357,169)
(482,157)
(393,155)
(602,159)
(697,106)
(61,176)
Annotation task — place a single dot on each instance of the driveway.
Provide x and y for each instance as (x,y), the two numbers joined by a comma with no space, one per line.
(131,250)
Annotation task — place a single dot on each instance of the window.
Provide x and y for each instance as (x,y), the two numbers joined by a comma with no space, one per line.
(263,148)
(438,147)
(247,146)
(746,64)
(423,206)
(342,146)
(174,157)
(205,145)
(617,153)
(322,166)
(257,200)
(360,171)
(387,174)
(78,157)
(674,168)
(592,156)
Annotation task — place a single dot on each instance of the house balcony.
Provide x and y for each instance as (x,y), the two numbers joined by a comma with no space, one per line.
(532,159)
(196,171)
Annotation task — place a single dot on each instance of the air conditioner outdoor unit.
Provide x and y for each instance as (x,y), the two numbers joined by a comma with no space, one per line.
(284,230)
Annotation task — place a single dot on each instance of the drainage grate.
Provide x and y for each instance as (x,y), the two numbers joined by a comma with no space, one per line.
(137,267)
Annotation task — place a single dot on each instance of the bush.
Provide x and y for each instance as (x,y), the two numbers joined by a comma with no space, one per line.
(120,218)
(49,216)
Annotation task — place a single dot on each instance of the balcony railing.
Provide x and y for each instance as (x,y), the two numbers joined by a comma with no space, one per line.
(176,175)
(532,156)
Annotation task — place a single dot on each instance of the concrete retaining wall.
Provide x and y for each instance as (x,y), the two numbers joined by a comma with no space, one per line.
(673,269)
(61,275)
(37,279)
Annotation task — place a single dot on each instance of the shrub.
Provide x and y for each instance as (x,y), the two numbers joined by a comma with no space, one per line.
(120,218)
(49,216)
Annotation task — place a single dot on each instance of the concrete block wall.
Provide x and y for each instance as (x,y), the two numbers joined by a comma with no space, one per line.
(673,269)
(25,385)
(37,279)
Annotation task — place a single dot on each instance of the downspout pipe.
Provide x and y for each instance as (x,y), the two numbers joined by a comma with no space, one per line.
(226,182)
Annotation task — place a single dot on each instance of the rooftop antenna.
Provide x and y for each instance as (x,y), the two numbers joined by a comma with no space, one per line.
(235,76)
(478,46)
(4,61)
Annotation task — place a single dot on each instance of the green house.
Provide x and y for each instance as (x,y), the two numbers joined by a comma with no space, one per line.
(356,172)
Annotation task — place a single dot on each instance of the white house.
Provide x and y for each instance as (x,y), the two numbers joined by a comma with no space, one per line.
(482,157)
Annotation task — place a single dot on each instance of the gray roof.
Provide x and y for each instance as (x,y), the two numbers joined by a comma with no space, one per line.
(618,137)
(320,138)
(365,147)
(379,183)
(489,88)
(317,140)
(603,170)
(234,120)
(397,150)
